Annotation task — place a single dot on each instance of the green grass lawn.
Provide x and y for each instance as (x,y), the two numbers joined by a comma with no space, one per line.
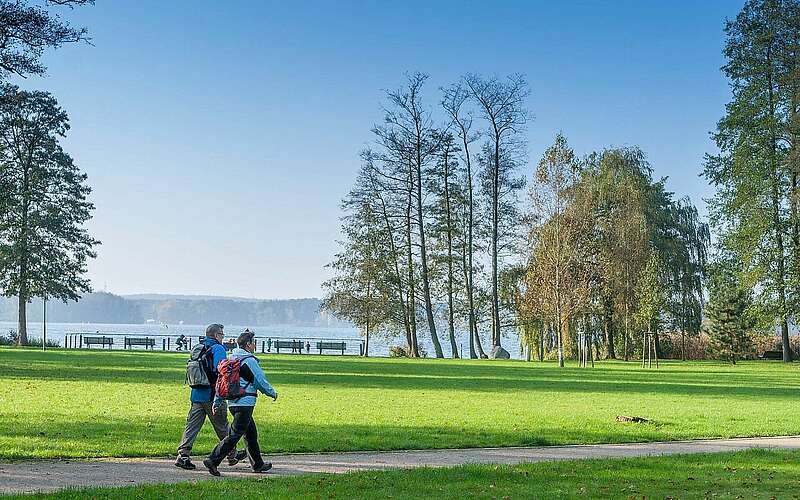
(751,474)
(94,404)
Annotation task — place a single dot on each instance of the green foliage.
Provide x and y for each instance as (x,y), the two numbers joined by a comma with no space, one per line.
(728,315)
(10,338)
(398,351)
(44,245)
(629,257)
(744,474)
(754,210)
(651,295)
(28,30)
(360,291)
(49,405)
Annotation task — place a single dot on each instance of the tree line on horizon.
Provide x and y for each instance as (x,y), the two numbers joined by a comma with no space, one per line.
(598,256)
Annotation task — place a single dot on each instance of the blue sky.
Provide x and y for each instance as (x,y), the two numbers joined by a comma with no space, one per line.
(219,137)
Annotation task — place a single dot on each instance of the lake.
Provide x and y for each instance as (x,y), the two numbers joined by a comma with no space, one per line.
(379,345)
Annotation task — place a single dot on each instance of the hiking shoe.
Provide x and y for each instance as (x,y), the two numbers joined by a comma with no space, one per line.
(237,457)
(212,469)
(185,463)
(264,468)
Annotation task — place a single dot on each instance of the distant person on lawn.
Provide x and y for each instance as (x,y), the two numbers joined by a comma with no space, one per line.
(251,381)
(201,403)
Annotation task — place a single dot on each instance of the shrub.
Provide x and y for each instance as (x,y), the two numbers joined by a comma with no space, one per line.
(697,346)
(398,351)
(10,338)
(38,343)
(401,351)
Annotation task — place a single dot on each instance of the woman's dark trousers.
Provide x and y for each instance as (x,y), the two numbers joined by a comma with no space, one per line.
(243,425)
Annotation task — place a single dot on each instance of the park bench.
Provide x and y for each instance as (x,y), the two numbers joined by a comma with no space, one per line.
(294,345)
(102,341)
(771,355)
(331,346)
(147,342)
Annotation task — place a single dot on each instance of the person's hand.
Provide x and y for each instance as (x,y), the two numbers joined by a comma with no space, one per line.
(216,407)
(275,396)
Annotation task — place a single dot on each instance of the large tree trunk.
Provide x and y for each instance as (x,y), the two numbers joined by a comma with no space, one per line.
(412,299)
(450,312)
(22,318)
(559,337)
(608,326)
(683,326)
(794,159)
(541,341)
(495,237)
(478,344)
(794,155)
(426,289)
(22,321)
(780,277)
(398,276)
(366,340)
(470,317)
(625,339)
(469,249)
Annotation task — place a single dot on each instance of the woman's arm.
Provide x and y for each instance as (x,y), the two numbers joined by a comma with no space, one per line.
(259,379)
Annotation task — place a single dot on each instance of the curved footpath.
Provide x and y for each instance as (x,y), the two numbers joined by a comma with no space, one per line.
(51,475)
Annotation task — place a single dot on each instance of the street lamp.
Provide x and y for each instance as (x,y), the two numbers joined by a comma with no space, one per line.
(44,323)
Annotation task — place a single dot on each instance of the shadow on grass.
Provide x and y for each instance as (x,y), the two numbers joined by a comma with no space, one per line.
(167,369)
(108,436)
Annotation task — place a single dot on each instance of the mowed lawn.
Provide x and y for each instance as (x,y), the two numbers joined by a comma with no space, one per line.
(126,404)
(750,474)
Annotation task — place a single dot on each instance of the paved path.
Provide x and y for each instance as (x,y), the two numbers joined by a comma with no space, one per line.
(50,475)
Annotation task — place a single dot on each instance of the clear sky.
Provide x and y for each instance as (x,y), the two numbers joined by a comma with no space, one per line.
(219,137)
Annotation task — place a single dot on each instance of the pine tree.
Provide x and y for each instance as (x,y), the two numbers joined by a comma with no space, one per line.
(729,322)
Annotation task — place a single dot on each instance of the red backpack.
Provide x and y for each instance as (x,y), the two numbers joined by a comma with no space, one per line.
(228,386)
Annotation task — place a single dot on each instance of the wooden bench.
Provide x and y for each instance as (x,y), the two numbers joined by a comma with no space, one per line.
(771,355)
(294,345)
(102,341)
(331,346)
(147,342)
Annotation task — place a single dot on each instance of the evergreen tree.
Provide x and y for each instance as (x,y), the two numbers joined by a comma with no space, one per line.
(754,173)
(728,319)
(44,245)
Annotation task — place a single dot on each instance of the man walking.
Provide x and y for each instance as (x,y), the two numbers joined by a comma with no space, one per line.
(201,398)
(251,381)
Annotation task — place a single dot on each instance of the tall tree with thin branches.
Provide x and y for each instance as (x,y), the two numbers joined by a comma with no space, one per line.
(409,129)
(502,103)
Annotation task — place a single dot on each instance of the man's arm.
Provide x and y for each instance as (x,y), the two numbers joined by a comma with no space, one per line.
(220,355)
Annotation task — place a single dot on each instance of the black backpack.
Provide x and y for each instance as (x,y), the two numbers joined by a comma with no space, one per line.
(200,370)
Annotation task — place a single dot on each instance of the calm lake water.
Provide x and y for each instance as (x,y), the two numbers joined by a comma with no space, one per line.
(378,346)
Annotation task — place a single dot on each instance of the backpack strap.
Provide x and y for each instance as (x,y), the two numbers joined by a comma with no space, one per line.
(252,375)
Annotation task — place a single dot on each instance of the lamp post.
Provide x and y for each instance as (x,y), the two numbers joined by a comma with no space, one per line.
(44,323)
